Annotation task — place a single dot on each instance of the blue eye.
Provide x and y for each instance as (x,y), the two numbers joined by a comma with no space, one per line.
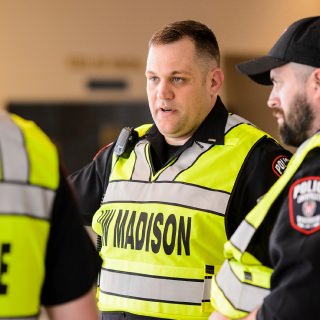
(153,79)
(177,80)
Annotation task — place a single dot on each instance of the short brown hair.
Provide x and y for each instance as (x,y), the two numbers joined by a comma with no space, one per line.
(204,39)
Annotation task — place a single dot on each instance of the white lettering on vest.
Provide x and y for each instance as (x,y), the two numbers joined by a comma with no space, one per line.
(307,190)
(308,222)
(281,165)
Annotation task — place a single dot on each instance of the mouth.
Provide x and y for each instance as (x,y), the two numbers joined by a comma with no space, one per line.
(277,114)
(166,109)
(279,118)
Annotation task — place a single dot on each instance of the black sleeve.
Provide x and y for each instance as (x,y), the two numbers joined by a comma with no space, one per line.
(72,263)
(262,167)
(90,183)
(294,248)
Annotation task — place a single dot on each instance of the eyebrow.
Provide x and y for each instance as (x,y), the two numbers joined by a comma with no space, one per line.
(173,73)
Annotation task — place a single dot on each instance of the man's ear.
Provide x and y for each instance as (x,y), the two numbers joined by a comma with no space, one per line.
(217,78)
(317,74)
(316,80)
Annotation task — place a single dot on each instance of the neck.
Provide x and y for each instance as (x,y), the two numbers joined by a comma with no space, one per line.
(176,141)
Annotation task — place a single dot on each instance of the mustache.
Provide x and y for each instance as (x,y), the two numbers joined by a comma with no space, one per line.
(276,112)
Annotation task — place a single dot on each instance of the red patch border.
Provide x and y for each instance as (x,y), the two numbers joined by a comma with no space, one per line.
(274,162)
(291,214)
(103,148)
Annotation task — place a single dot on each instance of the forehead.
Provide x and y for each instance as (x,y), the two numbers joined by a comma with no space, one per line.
(179,55)
(286,71)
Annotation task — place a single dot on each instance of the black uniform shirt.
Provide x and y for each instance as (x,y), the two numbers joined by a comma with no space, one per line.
(294,247)
(72,262)
(260,169)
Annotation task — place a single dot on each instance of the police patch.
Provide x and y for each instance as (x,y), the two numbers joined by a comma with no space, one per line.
(304,205)
(279,164)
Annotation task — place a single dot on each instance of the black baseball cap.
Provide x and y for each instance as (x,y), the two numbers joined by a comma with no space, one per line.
(299,43)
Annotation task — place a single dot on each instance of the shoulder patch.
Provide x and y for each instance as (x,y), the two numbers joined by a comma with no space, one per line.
(279,164)
(304,205)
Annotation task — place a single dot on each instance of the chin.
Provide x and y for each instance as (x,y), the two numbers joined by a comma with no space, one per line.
(280,122)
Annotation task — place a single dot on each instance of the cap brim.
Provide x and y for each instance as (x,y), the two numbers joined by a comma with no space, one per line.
(259,69)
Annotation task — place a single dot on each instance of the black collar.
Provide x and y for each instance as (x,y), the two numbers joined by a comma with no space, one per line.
(212,128)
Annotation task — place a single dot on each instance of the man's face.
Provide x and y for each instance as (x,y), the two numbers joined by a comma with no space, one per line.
(289,102)
(179,89)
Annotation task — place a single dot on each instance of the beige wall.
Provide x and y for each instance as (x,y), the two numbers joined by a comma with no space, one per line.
(49,49)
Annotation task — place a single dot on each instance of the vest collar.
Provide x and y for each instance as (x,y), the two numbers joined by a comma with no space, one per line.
(210,131)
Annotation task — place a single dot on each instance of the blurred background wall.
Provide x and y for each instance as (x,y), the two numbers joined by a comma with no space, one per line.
(77,67)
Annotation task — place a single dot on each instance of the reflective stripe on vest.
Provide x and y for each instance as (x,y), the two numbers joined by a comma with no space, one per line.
(179,194)
(235,293)
(15,176)
(12,153)
(140,286)
(246,300)
(242,237)
(233,121)
(159,229)
(142,169)
(28,178)
(40,206)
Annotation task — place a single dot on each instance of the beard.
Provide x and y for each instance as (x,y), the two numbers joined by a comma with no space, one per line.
(297,125)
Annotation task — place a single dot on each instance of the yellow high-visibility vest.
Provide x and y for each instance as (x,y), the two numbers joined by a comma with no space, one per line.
(29,177)
(163,233)
(243,281)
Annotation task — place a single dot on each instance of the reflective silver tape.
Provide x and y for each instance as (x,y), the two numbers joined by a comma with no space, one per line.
(14,158)
(32,200)
(187,158)
(142,169)
(233,121)
(242,296)
(138,286)
(168,192)
(243,235)
(207,289)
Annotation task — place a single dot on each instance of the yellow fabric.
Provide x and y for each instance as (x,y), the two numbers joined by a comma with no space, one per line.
(42,153)
(241,262)
(221,304)
(25,263)
(260,274)
(125,258)
(25,236)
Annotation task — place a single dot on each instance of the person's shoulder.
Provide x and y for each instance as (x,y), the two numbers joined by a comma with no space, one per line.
(268,152)
(264,140)
(244,128)
(311,164)
(104,151)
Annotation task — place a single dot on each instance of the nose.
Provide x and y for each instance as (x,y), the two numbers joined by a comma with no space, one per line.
(273,100)
(164,91)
